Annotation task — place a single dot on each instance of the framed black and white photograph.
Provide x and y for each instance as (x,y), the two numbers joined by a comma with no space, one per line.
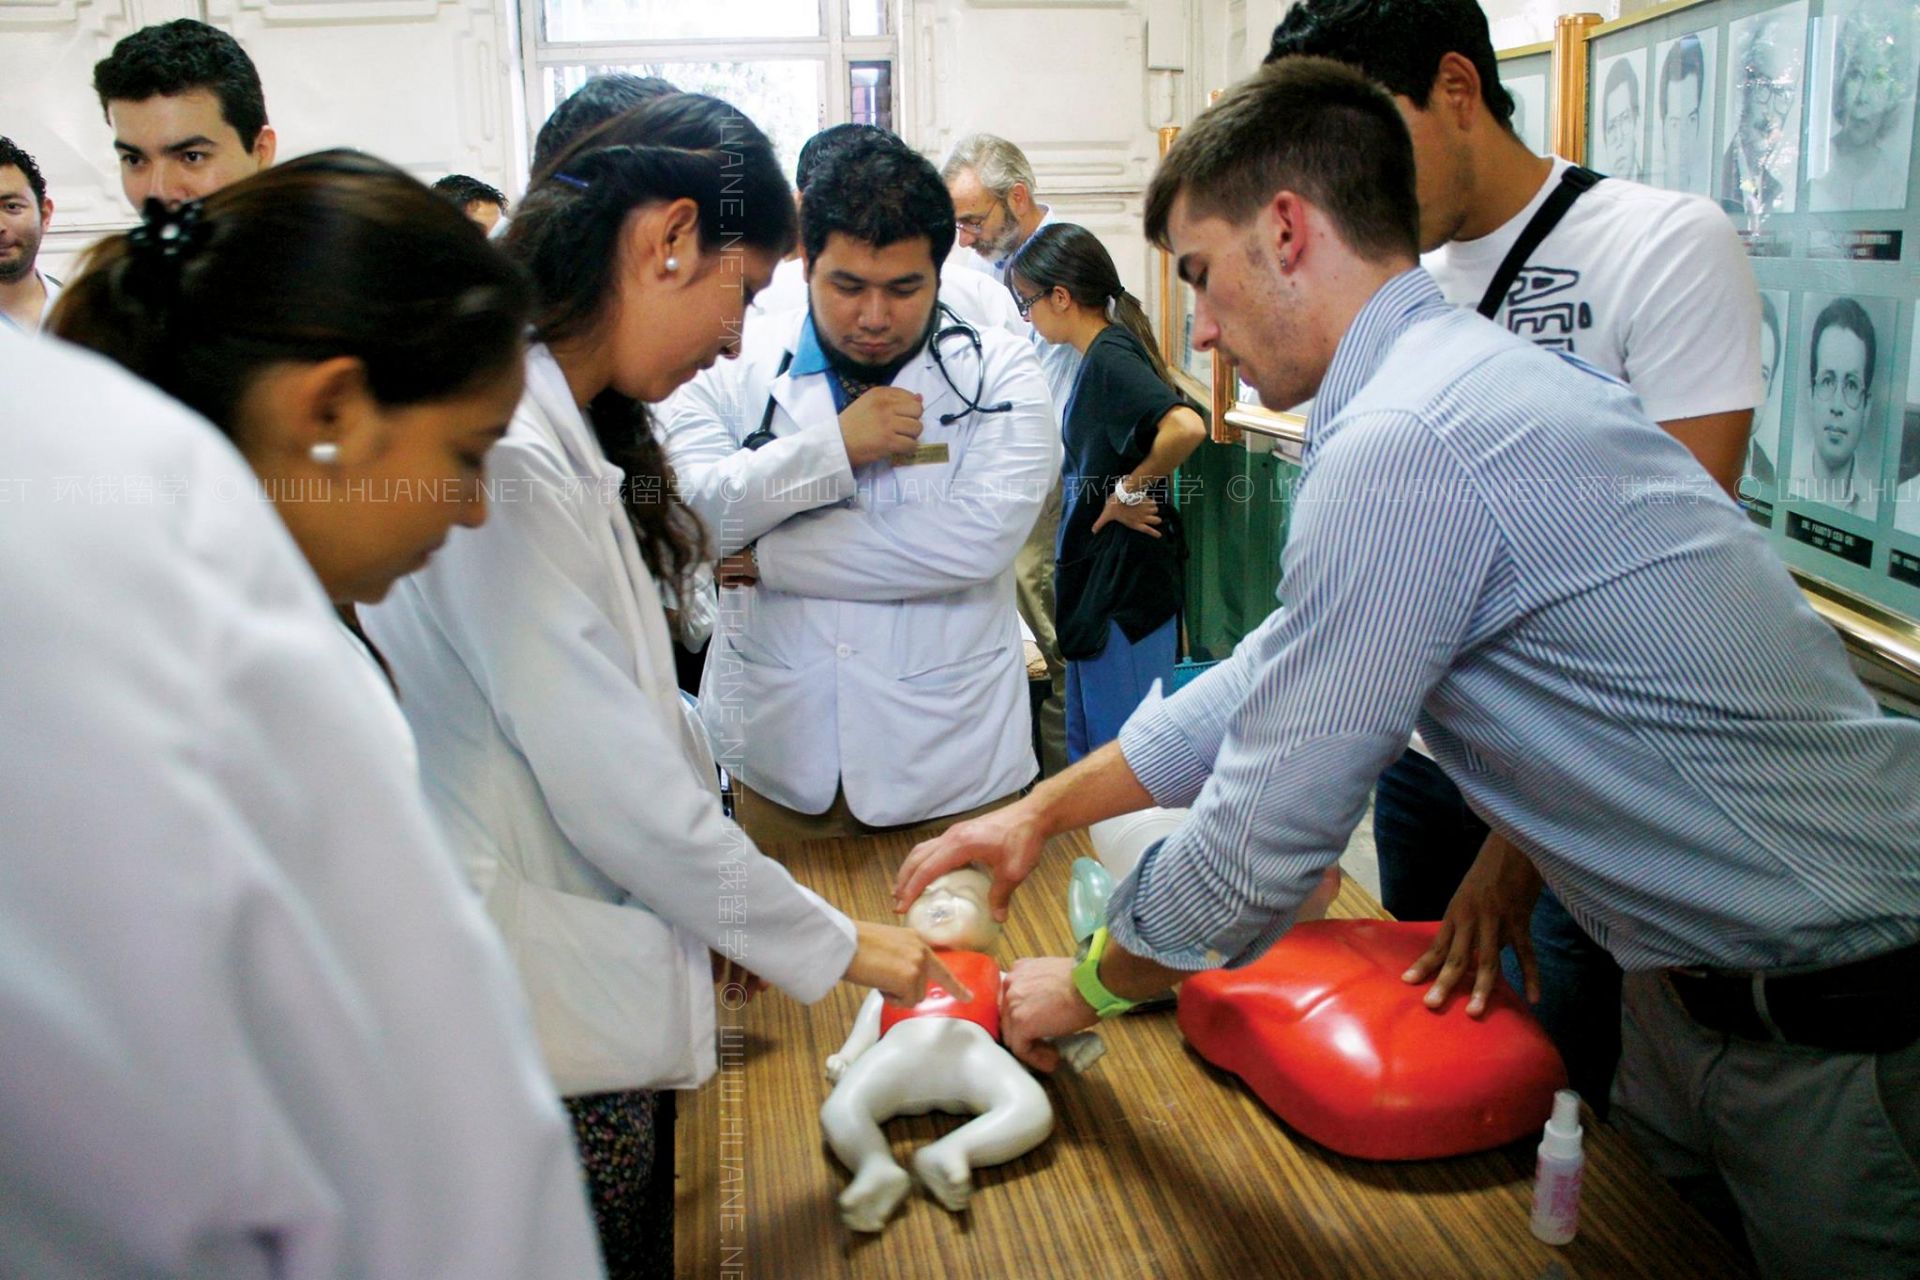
(1683,112)
(1763,445)
(1906,475)
(1860,93)
(1766,77)
(1618,122)
(1840,387)
(1529,111)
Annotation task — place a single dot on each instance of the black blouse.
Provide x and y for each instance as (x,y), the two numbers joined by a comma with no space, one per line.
(1118,575)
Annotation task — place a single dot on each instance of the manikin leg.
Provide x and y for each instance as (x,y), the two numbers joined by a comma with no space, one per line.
(853,1132)
(1015,1117)
(921,1066)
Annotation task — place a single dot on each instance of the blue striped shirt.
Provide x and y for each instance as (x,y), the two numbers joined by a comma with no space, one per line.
(1494,544)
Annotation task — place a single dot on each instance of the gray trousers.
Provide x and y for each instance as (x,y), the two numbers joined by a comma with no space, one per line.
(1819,1151)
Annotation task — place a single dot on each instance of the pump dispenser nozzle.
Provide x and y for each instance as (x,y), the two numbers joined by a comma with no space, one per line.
(1556,1180)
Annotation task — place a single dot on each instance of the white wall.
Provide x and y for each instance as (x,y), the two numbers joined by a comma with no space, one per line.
(433,85)
(1081,85)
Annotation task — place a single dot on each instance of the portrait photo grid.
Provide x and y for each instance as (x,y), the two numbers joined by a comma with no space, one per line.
(1798,121)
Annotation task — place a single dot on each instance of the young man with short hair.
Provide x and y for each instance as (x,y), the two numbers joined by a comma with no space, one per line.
(1630,684)
(481,202)
(187,112)
(867,475)
(973,296)
(1649,286)
(26,294)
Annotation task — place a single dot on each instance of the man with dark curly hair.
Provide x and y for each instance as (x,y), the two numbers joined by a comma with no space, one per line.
(867,469)
(484,203)
(26,295)
(187,112)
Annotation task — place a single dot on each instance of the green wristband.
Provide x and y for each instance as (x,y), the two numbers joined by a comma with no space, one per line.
(1086,979)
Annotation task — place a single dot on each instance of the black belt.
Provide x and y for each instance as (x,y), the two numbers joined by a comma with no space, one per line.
(1866,1006)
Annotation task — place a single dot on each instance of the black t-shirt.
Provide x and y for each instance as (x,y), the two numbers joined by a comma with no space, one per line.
(1117,575)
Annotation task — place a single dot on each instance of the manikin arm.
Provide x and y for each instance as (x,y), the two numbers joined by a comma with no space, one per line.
(865,1034)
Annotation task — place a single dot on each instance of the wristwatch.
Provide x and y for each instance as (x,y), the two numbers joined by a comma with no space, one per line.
(1126,497)
(1086,979)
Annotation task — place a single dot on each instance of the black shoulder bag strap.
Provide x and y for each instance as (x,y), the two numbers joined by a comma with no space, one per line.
(1575,181)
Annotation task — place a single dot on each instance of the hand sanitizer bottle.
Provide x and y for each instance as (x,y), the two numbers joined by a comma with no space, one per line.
(1556,1180)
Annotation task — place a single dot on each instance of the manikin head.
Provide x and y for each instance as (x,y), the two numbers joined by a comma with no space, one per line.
(952,912)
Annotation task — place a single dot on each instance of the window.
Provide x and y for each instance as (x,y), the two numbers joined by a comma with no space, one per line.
(806,63)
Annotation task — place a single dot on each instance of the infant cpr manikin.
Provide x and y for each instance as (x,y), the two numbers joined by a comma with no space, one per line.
(943,1054)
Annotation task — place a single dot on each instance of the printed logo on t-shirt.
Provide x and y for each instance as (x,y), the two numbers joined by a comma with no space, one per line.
(1538,310)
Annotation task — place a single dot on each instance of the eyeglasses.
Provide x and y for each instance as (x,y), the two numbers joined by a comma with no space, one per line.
(1024,305)
(1852,391)
(1763,95)
(974,223)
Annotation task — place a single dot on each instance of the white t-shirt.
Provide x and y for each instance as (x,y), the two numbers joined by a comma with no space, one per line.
(1650,286)
(53,288)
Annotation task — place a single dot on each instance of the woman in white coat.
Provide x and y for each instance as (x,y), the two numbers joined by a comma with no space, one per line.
(251,1018)
(537,666)
(364,380)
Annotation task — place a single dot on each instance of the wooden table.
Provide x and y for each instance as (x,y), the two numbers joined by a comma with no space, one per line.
(1159,1167)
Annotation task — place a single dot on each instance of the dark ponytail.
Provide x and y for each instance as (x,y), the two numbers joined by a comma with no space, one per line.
(1062,255)
(332,254)
(567,234)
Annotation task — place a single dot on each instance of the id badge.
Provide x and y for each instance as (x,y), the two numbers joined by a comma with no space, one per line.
(923,455)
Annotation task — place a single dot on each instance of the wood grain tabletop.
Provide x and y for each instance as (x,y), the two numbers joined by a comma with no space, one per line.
(1160,1167)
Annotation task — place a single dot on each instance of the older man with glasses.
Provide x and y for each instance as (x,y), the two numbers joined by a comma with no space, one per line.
(995,212)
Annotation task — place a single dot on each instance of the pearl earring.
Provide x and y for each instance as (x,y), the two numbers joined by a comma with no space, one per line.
(673,263)
(325,454)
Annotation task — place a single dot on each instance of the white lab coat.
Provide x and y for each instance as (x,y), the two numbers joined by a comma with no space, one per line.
(880,650)
(252,1020)
(535,666)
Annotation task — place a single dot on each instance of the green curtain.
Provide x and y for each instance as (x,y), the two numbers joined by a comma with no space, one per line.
(1235,506)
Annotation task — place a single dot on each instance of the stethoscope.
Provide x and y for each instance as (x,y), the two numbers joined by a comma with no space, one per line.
(954,328)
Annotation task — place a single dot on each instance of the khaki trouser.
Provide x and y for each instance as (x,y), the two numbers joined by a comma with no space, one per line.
(1819,1151)
(1033,594)
(772,823)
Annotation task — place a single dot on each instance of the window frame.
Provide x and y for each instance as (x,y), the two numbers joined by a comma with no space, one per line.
(834,50)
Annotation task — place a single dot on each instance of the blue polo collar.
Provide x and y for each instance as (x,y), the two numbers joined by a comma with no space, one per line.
(808,355)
